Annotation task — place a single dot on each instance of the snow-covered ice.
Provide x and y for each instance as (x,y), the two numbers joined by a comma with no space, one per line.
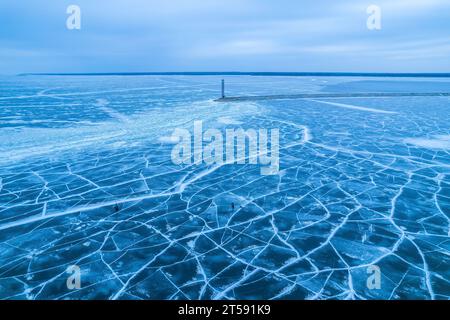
(86,179)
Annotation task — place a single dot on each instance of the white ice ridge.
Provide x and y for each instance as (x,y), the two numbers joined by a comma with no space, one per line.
(349,106)
(102,104)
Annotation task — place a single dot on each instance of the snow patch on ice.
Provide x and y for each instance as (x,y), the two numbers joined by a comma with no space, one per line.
(437,142)
(228,120)
(169,139)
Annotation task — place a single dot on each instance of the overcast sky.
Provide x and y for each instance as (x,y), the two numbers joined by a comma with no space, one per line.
(226,35)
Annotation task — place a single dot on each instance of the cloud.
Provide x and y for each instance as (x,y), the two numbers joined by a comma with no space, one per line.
(146,35)
(237,48)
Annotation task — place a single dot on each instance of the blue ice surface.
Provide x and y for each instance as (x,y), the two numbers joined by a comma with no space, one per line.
(86,179)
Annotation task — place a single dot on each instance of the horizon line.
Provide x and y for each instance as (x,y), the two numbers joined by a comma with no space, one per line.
(240,73)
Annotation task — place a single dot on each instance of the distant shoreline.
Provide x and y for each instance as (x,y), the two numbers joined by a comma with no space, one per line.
(256,74)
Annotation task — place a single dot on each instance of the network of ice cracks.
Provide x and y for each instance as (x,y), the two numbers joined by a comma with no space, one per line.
(87,180)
